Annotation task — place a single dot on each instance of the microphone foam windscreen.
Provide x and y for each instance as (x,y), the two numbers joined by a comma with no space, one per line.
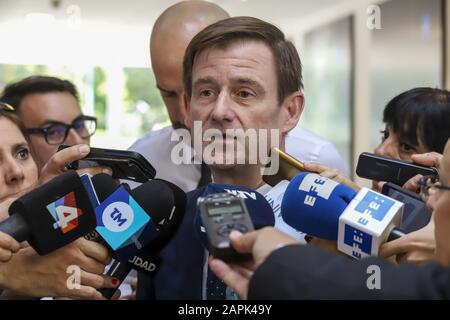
(104,186)
(313,204)
(57,212)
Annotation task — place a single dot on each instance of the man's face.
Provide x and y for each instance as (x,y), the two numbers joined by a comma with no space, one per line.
(168,74)
(235,88)
(38,110)
(439,202)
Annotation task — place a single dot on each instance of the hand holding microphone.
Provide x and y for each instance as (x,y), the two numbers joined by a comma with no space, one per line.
(331,173)
(136,224)
(259,244)
(74,271)
(416,247)
(328,210)
(8,246)
(49,217)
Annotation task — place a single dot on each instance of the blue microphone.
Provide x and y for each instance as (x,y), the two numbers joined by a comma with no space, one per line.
(359,222)
(260,211)
(313,204)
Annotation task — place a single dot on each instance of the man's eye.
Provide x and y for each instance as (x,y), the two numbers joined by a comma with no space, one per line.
(80,124)
(168,94)
(404,147)
(244,94)
(56,131)
(23,154)
(206,93)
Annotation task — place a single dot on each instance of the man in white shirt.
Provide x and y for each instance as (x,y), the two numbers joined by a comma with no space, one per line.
(301,143)
(239,74)
(170,36)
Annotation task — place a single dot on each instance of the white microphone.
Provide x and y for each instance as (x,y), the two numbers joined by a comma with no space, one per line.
(368,221)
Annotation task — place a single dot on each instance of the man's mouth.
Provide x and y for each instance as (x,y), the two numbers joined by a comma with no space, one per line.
(228,137)
(224,138)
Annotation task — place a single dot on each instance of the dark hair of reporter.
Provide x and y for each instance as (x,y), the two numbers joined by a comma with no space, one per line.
(15,92)
(420,115)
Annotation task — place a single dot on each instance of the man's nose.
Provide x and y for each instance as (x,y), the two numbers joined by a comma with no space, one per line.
(223,108)
(74,138)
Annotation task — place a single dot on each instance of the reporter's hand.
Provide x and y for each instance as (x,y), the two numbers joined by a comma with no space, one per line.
(4,207)
(413,184)
(323,244)
(29,274)
(8,246)
(430,159)
(332,174)
(57,164)
(260,244)
(115,296)
(416,247)
(133,285)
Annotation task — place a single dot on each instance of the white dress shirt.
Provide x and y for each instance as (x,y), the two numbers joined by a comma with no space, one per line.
(301,143)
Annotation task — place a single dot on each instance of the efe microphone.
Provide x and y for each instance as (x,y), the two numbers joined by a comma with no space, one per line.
(329,210)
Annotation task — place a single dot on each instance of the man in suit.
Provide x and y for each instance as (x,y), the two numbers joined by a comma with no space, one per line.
(170,36)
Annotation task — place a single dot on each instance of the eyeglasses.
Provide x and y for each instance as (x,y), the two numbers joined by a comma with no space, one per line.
(56,132)
(428,182)
(6,107)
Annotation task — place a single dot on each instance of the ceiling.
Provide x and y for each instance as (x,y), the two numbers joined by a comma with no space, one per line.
(145,12)
(116,32)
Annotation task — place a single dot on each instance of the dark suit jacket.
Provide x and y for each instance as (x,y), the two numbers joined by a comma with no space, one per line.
(180,273)
(302,272)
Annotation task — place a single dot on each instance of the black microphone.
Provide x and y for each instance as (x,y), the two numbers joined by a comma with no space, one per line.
(51,215)
(157,199)
(128,220)
(170,206)
(148,260)
(103,186)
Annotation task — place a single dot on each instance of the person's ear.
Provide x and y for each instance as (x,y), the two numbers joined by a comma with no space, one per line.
(188,119)
(292,108)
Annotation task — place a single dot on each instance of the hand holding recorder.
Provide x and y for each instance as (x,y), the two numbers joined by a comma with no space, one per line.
(127,165)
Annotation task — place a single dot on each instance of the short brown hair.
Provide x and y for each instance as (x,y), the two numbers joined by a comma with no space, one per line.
(15,92)
(225,32)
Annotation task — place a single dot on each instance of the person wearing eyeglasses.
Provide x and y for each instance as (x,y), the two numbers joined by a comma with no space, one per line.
(282,269)
(23,273)
(50,110)
(419,246)
(416,129)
